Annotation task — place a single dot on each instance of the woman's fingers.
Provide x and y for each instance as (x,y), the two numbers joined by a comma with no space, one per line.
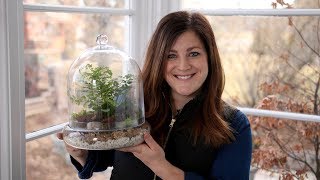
(60,135)
(69,148)
(79,154)
(151,142)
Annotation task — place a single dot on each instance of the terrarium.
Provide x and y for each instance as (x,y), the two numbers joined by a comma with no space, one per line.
(105,100)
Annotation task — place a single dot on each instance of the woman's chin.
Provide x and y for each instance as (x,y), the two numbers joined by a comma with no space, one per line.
(186,93)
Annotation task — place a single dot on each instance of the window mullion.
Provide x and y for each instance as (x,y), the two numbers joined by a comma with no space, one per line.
(259,12)
(45,132)
(139,30)
(76,9)
(147,13)
(12,105)
(280,114)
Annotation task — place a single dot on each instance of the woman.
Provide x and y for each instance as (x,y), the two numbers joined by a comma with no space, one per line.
(195,135)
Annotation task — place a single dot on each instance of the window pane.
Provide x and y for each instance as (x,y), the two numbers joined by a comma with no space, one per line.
(247,4)
(88,3)
(270,62)
(52,42)
(46,158)
(284,148)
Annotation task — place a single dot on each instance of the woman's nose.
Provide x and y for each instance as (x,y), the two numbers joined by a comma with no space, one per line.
(183,64)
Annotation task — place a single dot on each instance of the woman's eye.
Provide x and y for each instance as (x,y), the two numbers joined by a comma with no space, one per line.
(194,54)
(171,56)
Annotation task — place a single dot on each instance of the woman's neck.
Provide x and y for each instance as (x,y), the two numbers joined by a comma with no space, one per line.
(178,101)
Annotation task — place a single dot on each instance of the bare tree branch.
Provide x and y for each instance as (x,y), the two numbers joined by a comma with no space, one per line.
(305,42)
(293,156)
(307,63)
(315,106)
(318,33)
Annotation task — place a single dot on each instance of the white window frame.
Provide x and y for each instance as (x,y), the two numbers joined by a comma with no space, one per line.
(145,15)
(12,132)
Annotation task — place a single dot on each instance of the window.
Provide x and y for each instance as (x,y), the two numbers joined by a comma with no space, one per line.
(53,40)
(265,51)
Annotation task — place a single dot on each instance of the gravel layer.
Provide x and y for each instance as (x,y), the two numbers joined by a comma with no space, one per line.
(107,139)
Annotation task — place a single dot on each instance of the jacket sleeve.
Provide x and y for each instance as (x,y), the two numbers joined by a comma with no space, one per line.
(233,160)
(97,161)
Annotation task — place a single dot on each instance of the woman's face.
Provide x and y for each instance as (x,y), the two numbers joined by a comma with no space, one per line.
(186,65)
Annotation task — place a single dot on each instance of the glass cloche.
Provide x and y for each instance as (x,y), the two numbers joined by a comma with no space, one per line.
(106,105)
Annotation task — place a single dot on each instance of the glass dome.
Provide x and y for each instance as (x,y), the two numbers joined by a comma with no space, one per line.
(105,100)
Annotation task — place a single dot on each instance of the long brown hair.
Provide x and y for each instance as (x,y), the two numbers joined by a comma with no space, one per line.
(211,126)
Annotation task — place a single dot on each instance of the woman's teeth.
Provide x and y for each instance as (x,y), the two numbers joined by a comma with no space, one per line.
(184,77)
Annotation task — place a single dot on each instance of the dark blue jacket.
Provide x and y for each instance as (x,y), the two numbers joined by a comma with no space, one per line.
(200,161)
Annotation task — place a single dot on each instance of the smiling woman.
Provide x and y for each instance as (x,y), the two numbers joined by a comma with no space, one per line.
(186,68)
(206,138)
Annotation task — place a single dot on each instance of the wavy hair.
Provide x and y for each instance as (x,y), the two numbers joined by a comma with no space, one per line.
(211,125)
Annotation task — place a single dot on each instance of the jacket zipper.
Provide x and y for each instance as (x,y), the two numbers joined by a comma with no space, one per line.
(173,120)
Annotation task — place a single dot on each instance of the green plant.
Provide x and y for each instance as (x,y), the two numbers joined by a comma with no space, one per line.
(100,92)
(80,114)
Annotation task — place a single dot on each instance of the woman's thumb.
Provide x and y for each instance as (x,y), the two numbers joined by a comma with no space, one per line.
(60,135)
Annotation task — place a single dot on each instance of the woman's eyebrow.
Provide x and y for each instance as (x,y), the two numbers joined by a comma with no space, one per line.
(189,49)
(193,47)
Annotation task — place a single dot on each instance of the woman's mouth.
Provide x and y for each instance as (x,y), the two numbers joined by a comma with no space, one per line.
(183,77)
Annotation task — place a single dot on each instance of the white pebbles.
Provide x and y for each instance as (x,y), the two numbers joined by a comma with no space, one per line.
(106,140)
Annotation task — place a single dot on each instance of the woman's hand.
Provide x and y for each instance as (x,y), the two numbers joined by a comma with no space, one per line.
(153,156)
(78,154)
